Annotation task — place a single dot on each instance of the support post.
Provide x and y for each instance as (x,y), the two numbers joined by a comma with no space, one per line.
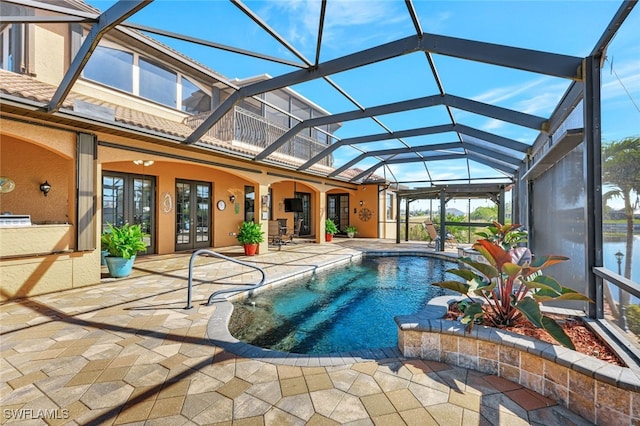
(443,217)
(501,206)
(593,183)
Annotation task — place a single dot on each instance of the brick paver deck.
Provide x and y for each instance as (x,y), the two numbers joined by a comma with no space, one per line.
(127,352)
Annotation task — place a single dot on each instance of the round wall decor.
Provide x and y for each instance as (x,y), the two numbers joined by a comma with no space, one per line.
(166,203)
(6,185)
(365,214)
(222,205)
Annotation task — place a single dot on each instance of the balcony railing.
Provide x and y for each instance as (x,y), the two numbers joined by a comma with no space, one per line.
(244,126)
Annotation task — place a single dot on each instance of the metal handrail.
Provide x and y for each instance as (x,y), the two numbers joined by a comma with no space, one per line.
(619,281)
(228,290)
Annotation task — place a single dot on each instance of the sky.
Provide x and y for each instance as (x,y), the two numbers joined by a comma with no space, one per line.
(565,27)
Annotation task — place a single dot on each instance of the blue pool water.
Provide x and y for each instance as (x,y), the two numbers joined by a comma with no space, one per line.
(341,310)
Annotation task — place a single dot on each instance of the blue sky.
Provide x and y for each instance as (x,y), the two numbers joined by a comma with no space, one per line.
(566,27)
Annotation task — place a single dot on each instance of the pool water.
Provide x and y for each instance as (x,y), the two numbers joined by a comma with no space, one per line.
(341,310)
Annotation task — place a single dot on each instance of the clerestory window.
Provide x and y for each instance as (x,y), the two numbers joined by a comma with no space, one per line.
(132,73)
(157,83)
(6,58)
(111,67)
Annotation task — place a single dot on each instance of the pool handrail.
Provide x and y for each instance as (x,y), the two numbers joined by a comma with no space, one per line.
(227,290)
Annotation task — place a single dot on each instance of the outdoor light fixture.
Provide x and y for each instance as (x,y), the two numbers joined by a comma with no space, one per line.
(232,198)
(144,163)
(361,203)
(45,187)
(619,255)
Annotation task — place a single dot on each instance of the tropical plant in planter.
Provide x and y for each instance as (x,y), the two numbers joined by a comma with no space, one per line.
(351,231)
(330,228)
(250,234)
(511,284)
(122,244)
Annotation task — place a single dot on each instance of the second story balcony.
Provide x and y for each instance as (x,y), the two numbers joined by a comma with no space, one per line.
(242,126)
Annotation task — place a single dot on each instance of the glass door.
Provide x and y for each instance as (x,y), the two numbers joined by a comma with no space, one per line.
(193,215)
(338,210)
(130,199)
(305,214)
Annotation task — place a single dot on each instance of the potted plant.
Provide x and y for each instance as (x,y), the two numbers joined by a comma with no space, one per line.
(351,231)
(122,244)
(250,234)
(103,251)
(330,228)
(510,284)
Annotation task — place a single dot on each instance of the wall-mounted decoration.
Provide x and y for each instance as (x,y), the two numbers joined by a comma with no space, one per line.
(6,185)
(365,214)
(265,200)
(166,203)
(222,205)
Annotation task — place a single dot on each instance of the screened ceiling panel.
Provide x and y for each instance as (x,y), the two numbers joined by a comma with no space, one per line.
(457,93)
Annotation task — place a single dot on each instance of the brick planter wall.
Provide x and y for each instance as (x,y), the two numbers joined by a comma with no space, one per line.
(598,391)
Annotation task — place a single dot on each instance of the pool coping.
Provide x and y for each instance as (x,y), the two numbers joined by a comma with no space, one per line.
(218,324)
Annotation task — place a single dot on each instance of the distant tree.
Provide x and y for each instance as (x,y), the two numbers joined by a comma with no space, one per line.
(621,169)
(485,214)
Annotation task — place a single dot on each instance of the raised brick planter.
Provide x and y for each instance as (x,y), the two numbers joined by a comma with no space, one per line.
(600,392)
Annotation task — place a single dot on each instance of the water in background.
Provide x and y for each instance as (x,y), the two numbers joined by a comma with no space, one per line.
(341,310)
(609,248)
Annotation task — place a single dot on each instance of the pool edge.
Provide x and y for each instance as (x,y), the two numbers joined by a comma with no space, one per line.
(218,324)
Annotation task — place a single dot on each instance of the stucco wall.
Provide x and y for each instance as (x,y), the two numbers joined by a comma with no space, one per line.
(40,259)
(30,165)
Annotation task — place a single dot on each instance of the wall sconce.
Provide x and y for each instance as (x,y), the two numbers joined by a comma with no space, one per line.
(232,198)
(145,163)
(45,187)
(361,203)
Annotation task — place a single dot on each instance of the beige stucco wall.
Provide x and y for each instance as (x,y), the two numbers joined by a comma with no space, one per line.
(40,259)
(368,194)
(29,165)
(51,52)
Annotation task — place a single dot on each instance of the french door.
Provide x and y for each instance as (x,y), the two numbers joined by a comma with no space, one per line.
(128,198)
(338,210)
(193,215)
(305,214)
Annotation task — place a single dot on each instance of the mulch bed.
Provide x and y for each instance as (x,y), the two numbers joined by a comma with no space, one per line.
(584,339)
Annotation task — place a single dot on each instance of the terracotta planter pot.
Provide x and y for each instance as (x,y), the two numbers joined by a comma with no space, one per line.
(250,249)
(328,237)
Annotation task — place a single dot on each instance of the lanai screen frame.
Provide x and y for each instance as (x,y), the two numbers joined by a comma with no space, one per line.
(585,73)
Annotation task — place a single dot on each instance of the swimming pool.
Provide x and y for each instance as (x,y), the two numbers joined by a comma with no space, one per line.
(340,310)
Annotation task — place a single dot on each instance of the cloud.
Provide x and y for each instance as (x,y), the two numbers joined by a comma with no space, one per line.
(342,19)
(504,93)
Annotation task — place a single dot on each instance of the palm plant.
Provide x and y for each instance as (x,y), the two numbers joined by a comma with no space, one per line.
(123,241)
(511,284)
(621,169)
(250,233)
(330,227)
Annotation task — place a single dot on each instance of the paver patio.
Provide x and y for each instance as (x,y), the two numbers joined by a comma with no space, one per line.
(127,352)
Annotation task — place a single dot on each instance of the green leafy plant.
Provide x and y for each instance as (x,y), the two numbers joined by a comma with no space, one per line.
(330,227)
(123,241)
(511,284)
(351,230)
(633,318)
(250,233)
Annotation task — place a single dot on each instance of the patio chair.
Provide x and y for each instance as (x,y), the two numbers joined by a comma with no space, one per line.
(435,237)
(275,233)
(296,230)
